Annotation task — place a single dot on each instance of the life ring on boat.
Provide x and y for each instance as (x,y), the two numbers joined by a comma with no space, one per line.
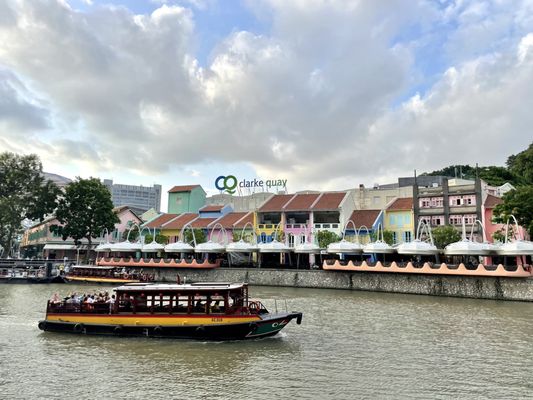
(158,330)
(253,327)
(42,325)
(254,307)
(117,330)
(78,328)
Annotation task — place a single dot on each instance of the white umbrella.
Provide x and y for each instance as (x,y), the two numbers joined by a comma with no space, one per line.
(378,247)
(241,247)
(210,247)
(516,248)
(417,247)
(126,246)
(179,247)
(307,248)
(273,247)
(345,247)
(152,247)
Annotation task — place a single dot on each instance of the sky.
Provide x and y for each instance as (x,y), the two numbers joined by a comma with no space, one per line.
(327,94)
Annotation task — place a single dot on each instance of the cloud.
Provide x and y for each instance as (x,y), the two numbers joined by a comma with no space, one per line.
(324,97)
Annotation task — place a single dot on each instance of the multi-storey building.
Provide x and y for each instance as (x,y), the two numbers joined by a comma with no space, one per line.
(448,204)
(141,198)
(186,199)
(399,220)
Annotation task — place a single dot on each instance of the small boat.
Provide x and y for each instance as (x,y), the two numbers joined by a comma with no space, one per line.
(203,311)
(98,274)
(28,274)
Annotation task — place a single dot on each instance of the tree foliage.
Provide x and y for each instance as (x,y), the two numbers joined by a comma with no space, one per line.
(521,165)
(388,237)
(85,211)
(24,193)
(199,234)
(325,238)
(493,175)
(161,239)
(444,235)
(518,202)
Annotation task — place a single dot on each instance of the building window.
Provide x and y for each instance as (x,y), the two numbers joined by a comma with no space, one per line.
(394,237)
(407,236)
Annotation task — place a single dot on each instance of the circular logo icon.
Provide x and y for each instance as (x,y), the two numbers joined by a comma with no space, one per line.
(226,183)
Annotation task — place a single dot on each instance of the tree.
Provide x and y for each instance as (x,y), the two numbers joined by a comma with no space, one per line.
(23,194)
(199,234)
(518,202)
(85,211)
(388,237)
(444,235)
(325,238)
(161,239)
(521,165)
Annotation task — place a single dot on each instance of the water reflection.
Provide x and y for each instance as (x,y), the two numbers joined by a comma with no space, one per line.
(350,345)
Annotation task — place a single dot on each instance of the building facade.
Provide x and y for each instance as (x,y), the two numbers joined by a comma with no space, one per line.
(399,220)
(141,198)
(186,199)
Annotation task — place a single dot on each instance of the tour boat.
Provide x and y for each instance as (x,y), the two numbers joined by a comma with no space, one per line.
(204,311)
(97,274)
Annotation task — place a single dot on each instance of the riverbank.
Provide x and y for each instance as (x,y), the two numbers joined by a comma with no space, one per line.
(491,288)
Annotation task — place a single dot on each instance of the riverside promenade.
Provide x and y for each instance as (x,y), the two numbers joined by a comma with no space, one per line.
(490,288)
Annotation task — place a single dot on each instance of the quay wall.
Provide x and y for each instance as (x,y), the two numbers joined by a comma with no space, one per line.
(493,288)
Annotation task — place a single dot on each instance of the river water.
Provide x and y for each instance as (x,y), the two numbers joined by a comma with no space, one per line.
(351,345)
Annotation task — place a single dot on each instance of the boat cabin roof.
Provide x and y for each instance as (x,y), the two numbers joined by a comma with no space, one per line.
(190,287)
(93,267)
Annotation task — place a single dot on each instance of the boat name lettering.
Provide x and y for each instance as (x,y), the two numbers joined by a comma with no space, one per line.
(276,324)
(216,319)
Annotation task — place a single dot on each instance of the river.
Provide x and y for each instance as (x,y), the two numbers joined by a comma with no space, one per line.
(350,345)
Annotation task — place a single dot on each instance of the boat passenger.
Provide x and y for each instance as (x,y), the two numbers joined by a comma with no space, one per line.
(216,307)
(55,299)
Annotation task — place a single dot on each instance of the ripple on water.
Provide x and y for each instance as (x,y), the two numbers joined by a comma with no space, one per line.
(350,345)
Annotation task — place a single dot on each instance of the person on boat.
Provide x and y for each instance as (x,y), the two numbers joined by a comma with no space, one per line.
(216,307)
(55,299)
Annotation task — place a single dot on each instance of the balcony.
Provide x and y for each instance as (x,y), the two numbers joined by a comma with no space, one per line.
(326,226)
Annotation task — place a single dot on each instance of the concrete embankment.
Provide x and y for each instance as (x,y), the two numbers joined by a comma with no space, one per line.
(517,289)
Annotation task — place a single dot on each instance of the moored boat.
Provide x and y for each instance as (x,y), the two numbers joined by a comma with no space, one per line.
(98,274)
(203,311)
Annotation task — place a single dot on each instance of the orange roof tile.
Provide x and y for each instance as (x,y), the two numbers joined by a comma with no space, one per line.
(402,204)
(329,201)
(492,201)
(212,208)
(301,202)
(160,220)
(364,217)
(202,223)
(181,221)
(184,188)
(248,218)
(228,220)
(276,203)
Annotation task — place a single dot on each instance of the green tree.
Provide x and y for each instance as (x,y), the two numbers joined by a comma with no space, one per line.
(247,236)
(388,237)
(85,211)
(444,235)
(518,202)
(161,239)
(325,238)
(24,193)
(497,176)
(521,165)
(199,234)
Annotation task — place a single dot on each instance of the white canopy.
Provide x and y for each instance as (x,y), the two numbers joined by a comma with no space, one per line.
(417,247)
(378,247)
(307,248)
(467,247)
(126,246)
(210,247)
(345,247)
(179,247)
(516,248)
(59,247)
(152,247)
(273,247)
(241,247)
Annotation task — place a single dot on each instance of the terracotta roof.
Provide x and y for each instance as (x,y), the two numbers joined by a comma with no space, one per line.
(364,217)
(301,202)
(180,221)
(228,220)
(202,223)
(276,203)
(492,201)
(329,201)
(185,188)
(403,204)
(212,208)
(160,220)
(248,218)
